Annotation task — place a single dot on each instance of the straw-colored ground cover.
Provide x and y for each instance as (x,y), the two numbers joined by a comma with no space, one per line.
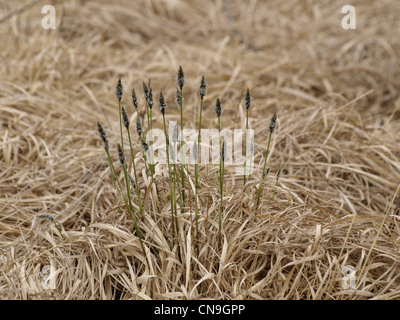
(335,93)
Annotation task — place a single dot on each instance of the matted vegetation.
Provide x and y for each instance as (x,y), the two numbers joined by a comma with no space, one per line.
(328,201)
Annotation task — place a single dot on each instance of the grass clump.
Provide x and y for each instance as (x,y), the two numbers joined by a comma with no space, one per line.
(176,190)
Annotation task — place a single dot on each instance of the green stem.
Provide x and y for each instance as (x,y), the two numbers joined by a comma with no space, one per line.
(171,190)
(263,173)
(130,208)
(141,140)
(182,156)
(120,125)
(196,170)
(196,173)
(221,184)
(176,186)
(114,175)
(245,146)
(136,179)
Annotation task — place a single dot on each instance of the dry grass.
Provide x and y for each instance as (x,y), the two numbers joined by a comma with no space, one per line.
(336,96)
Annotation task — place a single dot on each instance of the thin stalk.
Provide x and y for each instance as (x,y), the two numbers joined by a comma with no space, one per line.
(218,111)
(152,167)
(103,137)
(120,124)
(221,182)
(263,172)
(245,146)
(128,193)
(119,93)
(176,186)
(247,105)
(276,181)
(199,135)
(141,140)
(196,173)
(171,190)
(136,179)
(272,126)
(130,209)
(251,157)
(182,156)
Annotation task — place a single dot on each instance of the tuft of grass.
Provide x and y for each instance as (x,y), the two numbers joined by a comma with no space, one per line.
(128,196)
(126,125)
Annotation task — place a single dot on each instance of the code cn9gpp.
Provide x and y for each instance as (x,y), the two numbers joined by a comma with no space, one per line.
(215,309)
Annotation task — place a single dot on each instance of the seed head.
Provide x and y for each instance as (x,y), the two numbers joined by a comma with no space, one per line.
(103,134)
(145,145)
(272,124)
(264,174)
(134,99)
(145,91)
(203,88)
(223,151)
(178,97)
(132,181)
(162,104)
(248,100)
(121,154)
(150,101)
(139,126)
(119,90)
(46,216)
(180,80)
(218,108)
(125,118)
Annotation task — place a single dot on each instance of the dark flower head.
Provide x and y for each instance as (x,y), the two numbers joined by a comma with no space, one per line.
(203,88)
(178,97)
(134,99)
(119,90)
(103,134)
(150,101)
(125,118)
(218,108)
(121,154)
(139,126)
(272,124)
(264,174)
(180,80)
(132,181)
(145,91)
(162,105)
(145,145)
(248,100)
